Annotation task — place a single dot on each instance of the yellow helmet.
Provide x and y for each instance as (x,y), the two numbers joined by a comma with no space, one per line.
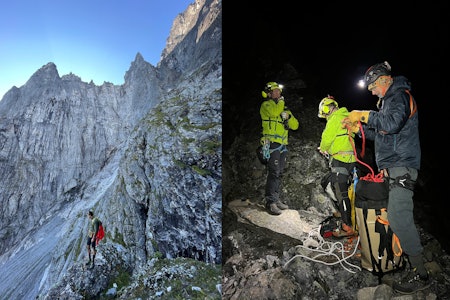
(324,106)
(270,86)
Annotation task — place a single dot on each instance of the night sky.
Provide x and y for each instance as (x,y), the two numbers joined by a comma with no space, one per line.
(332,45)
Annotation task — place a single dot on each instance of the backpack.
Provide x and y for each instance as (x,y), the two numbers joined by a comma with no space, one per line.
(100,233)
(328,225)
(381,251)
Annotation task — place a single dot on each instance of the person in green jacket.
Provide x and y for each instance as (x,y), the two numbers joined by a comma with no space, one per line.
(336,144)
(93,227)
(277,120)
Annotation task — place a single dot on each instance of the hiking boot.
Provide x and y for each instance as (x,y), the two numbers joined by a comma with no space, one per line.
(273,208)
(281,205)
(412,283)
(345,231)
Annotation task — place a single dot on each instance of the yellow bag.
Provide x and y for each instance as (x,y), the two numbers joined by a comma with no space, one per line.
(381,251)
(374,243)
(351,196)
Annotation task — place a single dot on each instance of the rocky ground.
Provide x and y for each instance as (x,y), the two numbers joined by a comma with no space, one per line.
(262,263)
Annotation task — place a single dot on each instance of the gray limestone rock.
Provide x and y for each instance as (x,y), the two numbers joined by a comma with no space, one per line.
(145,156)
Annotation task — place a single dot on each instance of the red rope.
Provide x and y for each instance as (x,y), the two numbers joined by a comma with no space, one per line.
(370,176)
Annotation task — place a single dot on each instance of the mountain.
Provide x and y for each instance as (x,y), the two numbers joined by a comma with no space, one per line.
(145,156)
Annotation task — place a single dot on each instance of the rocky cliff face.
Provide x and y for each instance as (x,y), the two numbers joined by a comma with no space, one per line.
(145,156)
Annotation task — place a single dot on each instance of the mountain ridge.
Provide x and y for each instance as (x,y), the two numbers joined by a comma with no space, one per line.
(145,156)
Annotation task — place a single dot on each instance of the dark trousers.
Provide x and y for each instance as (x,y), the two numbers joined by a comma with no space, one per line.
(401,212)
(276,165)
(340,180)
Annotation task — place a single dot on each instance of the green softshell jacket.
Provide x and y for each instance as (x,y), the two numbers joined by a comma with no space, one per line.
(93,227)
(273,128)
(335,140)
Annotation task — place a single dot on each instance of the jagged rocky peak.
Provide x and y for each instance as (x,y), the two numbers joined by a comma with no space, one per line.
(138,68)
(182,24)
(43,82)
(46,73)
(194,35)
(71,77)
(139,63)
(138,60)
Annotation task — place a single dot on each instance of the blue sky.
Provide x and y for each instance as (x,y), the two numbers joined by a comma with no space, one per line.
(95,40)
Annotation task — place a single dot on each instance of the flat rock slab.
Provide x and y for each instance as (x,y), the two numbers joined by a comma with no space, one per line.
(289,222)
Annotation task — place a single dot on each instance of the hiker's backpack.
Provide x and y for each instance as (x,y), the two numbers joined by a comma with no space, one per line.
(381,251)
(100,233)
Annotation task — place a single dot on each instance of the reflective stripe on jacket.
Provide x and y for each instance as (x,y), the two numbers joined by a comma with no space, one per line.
(273,128)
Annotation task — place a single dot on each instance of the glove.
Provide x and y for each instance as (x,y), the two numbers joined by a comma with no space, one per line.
(346,123)
(359,115)
(354,127)
(284,115)
(279,99)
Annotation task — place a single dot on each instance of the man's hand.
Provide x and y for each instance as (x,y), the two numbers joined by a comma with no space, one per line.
(358,115)
(285,115)
(353,127)
(324,153)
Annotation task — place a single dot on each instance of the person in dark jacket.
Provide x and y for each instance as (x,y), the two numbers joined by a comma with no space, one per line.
(395,131)
(277,120)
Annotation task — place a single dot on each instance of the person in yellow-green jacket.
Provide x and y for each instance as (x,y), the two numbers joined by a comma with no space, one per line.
(336,144)
(277,120)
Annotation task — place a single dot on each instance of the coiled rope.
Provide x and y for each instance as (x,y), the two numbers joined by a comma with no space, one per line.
(321,248)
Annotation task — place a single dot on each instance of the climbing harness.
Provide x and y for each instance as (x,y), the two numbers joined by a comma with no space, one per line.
(266,151)
(404,181)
